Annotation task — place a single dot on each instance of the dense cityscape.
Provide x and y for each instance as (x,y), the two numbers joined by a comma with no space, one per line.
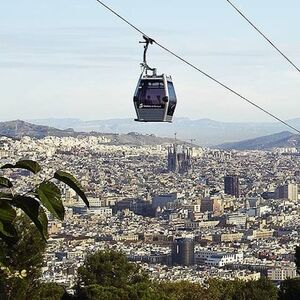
(180,211)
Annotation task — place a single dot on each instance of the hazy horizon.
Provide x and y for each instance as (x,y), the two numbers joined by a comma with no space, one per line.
(270,121)
(205,132)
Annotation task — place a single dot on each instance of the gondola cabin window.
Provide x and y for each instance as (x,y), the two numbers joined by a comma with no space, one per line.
(151,93)
(172,99)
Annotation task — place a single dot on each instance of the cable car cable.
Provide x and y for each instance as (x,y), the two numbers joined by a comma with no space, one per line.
(228,88)
(263,35)
(201,71)
(119,16)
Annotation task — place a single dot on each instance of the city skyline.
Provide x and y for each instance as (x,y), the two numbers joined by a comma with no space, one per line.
(175,226)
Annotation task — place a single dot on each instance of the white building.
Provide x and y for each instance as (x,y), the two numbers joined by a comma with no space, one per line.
(101,211)
(282,273)
(217,259)
(236,219)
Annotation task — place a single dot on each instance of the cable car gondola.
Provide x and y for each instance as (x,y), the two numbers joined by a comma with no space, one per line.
(154,98)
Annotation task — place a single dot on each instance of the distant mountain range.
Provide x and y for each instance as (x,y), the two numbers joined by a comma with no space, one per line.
(18,129)
(206,132)
(281,139)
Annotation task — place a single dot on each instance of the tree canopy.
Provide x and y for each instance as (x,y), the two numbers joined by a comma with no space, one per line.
(290,289)
(297,259)
(109,275)
(21,261)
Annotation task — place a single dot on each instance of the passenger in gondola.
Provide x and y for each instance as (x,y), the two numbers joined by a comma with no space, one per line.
(148,100)
(158,100)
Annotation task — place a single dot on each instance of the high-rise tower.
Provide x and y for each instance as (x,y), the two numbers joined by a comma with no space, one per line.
(232,186)
(183,252)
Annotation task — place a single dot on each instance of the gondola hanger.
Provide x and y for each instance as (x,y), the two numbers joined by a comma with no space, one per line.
(145,67)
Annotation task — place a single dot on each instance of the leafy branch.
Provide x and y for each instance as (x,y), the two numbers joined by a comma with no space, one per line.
(46,196)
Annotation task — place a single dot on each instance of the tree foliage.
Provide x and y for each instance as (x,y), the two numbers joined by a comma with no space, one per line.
(219,289)
(23,231)
(109,268)
(290,289)
(48,291)
(21,260)
(297,259)
(34,202)
(108,275)
(182,290)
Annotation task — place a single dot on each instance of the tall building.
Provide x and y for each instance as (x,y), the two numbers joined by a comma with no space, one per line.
(183,252)
(213,205)
(287,191)
(232,186)
(179,160)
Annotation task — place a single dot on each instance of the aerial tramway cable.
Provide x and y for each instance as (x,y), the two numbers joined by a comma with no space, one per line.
(263,35)
(199,70)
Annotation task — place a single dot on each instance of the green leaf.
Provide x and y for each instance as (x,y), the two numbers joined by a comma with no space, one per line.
(6,196)
(50,196)
(7,212)
(5,183)
(31,208)
(7,229)
(44,221)
(73,183)
(29,165)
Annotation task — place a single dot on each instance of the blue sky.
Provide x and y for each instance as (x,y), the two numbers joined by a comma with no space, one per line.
(64,58)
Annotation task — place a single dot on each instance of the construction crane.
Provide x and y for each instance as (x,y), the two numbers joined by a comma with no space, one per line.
(191,141)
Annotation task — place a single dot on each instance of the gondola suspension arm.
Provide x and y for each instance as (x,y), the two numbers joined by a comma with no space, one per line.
(144,64)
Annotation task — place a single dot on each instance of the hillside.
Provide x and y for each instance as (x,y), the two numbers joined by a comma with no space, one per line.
(281,139)
(206,132)
(19,129)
